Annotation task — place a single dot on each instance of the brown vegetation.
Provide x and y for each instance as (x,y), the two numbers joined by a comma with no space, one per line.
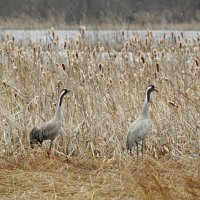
(108,81)
(37,177)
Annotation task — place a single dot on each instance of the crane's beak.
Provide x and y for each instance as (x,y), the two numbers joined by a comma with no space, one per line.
(155,90)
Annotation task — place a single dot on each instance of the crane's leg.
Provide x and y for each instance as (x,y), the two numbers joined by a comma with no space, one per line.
(142,150)
(137,149)
(131,152)
(49,151)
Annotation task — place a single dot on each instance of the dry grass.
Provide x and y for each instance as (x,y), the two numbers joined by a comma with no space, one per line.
(37,177)
(108,81)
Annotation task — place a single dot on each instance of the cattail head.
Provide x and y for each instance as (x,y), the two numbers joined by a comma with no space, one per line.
(154,53)
(43,74)
(49,47)
(63,66)
(4,83)
(157,67)
(57,38)
(90,75)
(8,36)
(174,39)
(181,34)
(162,54)
(110,82)
(164,36)
(15,94)
(142,58)
(173,104)
(55,43)
(100,67)
(146,41)
(59,84)
(76,55)
(94,52)
(65,44)
(196,61)
(53,33)
(180,45)
(126,46)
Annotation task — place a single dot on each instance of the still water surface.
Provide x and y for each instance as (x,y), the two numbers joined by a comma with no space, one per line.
(100,35)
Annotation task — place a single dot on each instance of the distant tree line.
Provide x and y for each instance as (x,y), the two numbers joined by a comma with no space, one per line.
(93,11)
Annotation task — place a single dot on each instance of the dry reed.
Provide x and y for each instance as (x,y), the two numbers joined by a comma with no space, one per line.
(108,82)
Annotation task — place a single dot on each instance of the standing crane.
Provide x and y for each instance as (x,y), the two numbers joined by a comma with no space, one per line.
(50,129)
(139,129)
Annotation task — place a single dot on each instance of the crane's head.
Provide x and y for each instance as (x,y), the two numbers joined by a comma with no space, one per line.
(65,91)
(151,88)
(62,94)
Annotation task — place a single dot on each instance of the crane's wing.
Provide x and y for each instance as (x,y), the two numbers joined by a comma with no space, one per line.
(138,129)
(51,128)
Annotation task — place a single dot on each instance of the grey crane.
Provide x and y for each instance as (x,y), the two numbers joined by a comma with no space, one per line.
(141,126)
(50,129)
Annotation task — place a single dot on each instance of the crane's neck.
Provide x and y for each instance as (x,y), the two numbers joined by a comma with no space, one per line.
(61,99)
(145,108)
(58,113)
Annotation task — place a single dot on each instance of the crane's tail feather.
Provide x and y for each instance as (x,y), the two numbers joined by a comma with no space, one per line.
(36,136)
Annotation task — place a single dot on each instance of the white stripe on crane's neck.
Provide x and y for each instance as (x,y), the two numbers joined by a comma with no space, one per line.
(58,113)
(148,92)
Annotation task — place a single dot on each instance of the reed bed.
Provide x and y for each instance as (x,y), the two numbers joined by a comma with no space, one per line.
(108,80)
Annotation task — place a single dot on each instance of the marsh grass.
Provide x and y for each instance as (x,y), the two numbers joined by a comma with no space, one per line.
(108,84)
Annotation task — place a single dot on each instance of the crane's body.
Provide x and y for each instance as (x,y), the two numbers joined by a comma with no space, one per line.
(141,126)
(137,132)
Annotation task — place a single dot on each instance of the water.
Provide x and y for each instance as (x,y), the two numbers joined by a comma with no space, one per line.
(100,35)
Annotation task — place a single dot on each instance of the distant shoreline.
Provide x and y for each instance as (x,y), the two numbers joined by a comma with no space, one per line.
(19,24)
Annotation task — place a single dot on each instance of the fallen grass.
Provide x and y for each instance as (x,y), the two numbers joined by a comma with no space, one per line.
(121,178)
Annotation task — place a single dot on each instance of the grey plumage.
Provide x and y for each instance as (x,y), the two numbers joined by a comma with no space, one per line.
(50,129)
(141,126)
